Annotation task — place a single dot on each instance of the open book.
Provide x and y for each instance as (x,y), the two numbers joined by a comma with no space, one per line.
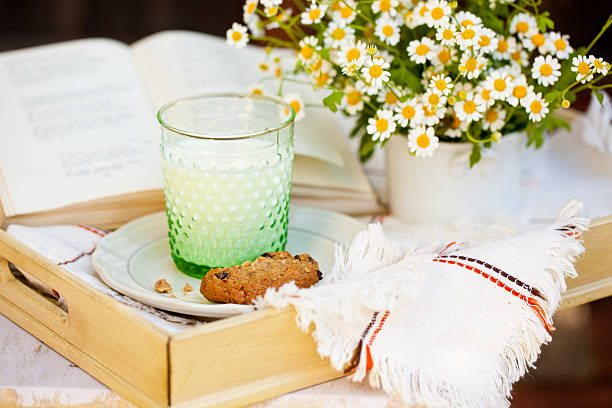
(80,140)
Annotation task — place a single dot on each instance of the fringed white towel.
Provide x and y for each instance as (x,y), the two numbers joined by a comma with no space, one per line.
(440,326)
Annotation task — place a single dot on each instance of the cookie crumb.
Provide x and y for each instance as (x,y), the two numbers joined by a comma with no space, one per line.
(172,296)
(162,286)
(187,287)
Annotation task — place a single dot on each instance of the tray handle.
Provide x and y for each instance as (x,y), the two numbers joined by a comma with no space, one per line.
(31,300)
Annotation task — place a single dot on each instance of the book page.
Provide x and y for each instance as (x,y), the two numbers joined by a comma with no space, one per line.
(175,64)
(77,126)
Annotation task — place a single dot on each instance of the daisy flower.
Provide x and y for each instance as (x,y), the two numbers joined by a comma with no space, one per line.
(255,26)
(600,66)
(581,65)
(308,48)
(410,18)
(317,64)
(325,74)
(472,66)
(422,141)
(386,7)
(494,119)
(271,11)
(446,33)
(441,84)
(408,112)
(523,24)
(420,13)
(382,126)
(257,89)
(466,19)
(519,56)
(374,72)
(313,14)
(559,45)
(468,37)
(442,56)
(237,36)
(350,68)
(469,109)
(487,40)
(343,12)
(388,98)
(482,96)
(434,98)
(453,133)
(421,50)
(353,99)
(431,115)
(387,30)
(520,90)
(438,13)
(271,3)
(536,40)
(500,84)
(295,100)
(546,70)
(248,10)
(536,107)
(352,52)
(505,46)
(337,33)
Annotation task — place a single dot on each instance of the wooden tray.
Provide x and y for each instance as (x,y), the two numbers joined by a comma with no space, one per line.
(230,362)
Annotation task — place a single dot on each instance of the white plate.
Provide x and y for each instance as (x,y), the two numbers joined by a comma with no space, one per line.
(132,258)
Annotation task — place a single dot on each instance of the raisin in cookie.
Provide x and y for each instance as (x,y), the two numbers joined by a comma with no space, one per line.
(243,283)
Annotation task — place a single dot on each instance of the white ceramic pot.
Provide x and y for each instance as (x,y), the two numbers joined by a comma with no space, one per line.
(443,188)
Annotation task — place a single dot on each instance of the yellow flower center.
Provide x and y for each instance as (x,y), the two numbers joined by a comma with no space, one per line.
(278,72)
(387,30)
(257,91)
(538,40)
(423,10)
(470,64)
(353,54)
(295,105)
(502,46)
(346,12)
(429,110)
(491,115)
(272,11)
(484,41)
(535,107)
(499,85)
(263,66)
(519,92)
(307,52)
(444,56)
(546,70)
(423,141)
(583,68)
(462,95)
(385,5)
(516,56)
(522,27)
(485,94)
(390,98)
(338,34)
(382,125)
(236,36)
(437,13)
(466,23)
(375,71)
(353,97)
(468,34)
(336,6)
(469,107)
(597,64)
(433,99)
(422,49)
(560,44)
(408,112)
(314,13)
(447,34)
(456,122)
(317,65)
(322,79)
(441,85)
(251,7)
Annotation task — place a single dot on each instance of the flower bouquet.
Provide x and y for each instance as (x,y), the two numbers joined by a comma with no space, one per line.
(430,71)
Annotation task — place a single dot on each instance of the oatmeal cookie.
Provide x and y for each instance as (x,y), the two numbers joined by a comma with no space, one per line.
(243,283)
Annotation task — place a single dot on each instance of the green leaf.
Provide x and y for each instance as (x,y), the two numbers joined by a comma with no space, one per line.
(333,100)
(366,148)
(552,96)
(475,156)
(545,23)
(599,96)
(404,76)
(535,135)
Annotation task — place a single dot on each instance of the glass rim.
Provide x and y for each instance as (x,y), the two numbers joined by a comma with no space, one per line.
(230,95)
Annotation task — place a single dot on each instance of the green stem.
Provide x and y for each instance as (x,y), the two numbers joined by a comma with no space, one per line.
(601,32)
(273,40)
